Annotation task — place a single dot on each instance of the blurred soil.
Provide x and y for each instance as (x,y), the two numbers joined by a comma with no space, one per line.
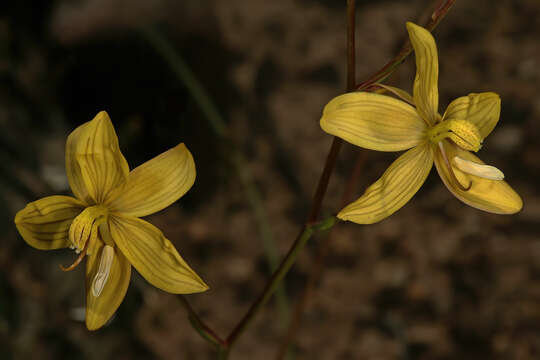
(437,280)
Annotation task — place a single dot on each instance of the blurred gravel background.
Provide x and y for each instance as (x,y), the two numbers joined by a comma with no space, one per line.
(437,280)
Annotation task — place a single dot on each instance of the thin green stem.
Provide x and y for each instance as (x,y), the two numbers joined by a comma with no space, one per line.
(322,186)
(306,233)
(223,353)
(204,330)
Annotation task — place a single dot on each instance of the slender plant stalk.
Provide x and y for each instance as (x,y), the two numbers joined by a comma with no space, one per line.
(322,186)
(316,272)
(307,231)
(333,153)
(204,330)
(296,318)
(440,12)
(311,226)
(337,142)
(329,165)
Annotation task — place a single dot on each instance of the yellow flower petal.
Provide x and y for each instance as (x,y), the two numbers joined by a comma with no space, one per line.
(394,189)
(482,109)
(400,93)
(100,309)
(425,92)
(44,224)
(494,196)
(154,256)
(94,163)
(156,184)
(373,121)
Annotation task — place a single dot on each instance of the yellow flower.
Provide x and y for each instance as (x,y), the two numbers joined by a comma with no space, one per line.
(102,220)
(383,123)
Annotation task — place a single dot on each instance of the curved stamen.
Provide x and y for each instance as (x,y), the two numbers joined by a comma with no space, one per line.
(451,171)
(77,260)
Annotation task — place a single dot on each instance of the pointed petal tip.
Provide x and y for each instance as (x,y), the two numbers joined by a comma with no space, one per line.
(197,285)
(412,27)
(92,326)
(203,288)
(516,206)
(93,321)
(102,115)
(365,219)
(342,216)
(17,220)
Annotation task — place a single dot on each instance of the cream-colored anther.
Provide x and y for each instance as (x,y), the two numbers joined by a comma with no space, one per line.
(483,171)
(104,269)
(462,132)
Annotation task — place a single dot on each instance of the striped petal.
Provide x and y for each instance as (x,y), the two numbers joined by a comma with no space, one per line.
(99,309)
(425,91)
(494,196)
(373,121)
(400,93)
(94,164)
(154,256)
(44,224)
(482,109)
(156,184)
(394,189)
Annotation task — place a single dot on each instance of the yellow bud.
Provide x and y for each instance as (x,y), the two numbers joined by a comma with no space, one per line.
(462,132)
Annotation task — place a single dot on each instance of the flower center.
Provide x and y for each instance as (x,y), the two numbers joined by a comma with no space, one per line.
(85,226)
(83,231)
(462,132)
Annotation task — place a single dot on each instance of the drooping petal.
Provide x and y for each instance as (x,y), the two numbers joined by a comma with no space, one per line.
(425,91)
(394,189)
(94,164)
(156,184)
(154,256)
(44,224)
(482,110)
(494,196)
(373,121)
(100,309)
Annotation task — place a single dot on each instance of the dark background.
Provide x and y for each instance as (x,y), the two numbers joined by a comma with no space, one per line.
(437,280)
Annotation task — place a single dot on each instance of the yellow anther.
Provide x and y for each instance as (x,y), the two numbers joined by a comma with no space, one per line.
(462,132)
(85,226)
